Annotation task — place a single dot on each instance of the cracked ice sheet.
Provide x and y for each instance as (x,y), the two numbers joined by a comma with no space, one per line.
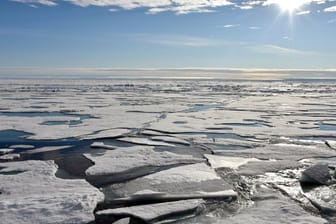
(127,163)
(35,195)
(194,180)
(114,118)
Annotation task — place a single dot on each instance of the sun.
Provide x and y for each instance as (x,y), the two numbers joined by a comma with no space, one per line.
(290,5)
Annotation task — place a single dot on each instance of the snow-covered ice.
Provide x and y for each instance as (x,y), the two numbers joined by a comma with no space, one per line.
(196,180)
(126,163)
(30,193)
(155,213)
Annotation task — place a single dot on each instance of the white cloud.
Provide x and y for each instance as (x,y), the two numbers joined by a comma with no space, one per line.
(254,28)
(156,6)
(300,2)
(176,6)
(303,13)
(153,6)
(330,9)
(231,25)
(179,40)
(274,49)
(245,7)
(42,2)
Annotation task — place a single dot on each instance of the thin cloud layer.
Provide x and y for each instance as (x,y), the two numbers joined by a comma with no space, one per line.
(177,6)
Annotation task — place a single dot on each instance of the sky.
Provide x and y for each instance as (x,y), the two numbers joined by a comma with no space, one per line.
(103,35)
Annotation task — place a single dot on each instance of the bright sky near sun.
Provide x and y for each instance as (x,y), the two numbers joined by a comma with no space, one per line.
(168,33)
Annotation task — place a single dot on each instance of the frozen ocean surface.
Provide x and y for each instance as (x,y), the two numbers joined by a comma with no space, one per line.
(167,151)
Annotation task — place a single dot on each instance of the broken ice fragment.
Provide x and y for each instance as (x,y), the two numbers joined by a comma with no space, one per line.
(9,157)
(227,162)
(101,145)
(144,141)
(153,213)
(5,151)
(317,174)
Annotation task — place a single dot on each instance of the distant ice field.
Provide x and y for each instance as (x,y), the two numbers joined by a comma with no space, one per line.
(161,142)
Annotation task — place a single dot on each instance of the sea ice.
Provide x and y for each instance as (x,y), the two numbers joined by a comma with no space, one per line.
(127,163)
(102,145)
(273,208)
(30,193)
(9,157)
(6,151)
(22,147)
(144,141)
(170,139)
(46,149)
(227,162)
(155,213)
(316,174)
(195,180)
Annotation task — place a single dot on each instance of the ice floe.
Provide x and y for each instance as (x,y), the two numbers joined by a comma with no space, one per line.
(155,213)
(195,180)
(30,193)
(9,157)
(170,139)
(101,145)
(282,152)
(22,147)
(227,162)
(144,141)
(6,151)
(126,163)
(111,133)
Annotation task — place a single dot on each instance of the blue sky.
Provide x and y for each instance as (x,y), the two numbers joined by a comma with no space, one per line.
(268,34)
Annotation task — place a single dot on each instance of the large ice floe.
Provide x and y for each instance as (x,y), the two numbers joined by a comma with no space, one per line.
(127,163)
(182,182)
(30,193)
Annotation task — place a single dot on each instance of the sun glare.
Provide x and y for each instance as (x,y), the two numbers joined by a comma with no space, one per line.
(290,5)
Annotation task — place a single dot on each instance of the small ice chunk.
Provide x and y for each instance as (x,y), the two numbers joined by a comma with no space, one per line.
(9,157)
(170,139)
(5,151)
(153,213)
(101,145)
(331,144)
(316,174)
(46,149)
(111,133)
(227,162)
(22,147)
(144,141)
